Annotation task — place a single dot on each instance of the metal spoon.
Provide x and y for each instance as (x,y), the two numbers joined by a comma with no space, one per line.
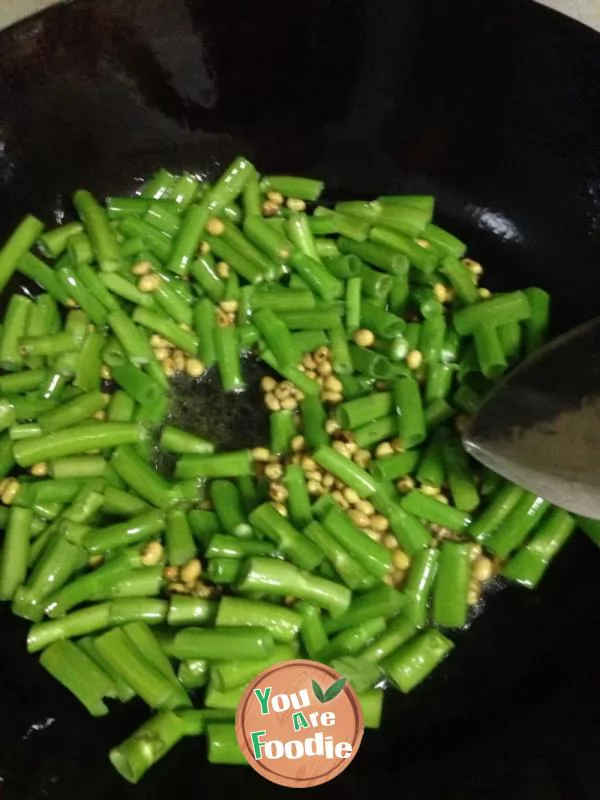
(540,427)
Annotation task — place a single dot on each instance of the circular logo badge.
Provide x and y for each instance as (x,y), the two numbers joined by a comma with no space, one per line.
(299,724)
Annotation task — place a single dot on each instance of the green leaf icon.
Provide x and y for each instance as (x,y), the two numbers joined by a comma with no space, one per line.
(318,692)
(334,690)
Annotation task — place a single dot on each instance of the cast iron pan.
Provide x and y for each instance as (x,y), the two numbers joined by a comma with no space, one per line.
(494,108)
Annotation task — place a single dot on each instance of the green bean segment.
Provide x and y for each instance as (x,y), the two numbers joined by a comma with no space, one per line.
(230,436)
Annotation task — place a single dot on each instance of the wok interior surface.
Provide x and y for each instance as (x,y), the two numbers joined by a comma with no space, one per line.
(493,108)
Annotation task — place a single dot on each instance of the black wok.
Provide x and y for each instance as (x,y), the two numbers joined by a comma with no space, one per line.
(491,106)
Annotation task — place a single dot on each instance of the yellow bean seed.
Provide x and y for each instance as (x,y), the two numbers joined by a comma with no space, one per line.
(325,370)
(309,464)
(268,384)
(204,248)
(314,475)
(359,518)
(269,209)
(308,361)
(10,491)
(379,523)
(476,551)
(414,359)
(473,266)
(397,445)
(296,204)
(334,384)
(40,470)
(273,472)
(339,498)
(261,454)
(483,569)
(229,306)
(159,341)
(289,403)
(390,541)
(178,361)
(351,496)
(474,593)
(105,372)
(149,283)
(284,390)
(365,507)
(362,458)
(321,354)
(332,398)
(278,492)
(95,561)
(215,227)
(141,268)
(280,508)
(314,487)
(194,367)
(152,554)
(275,197)
(441,498)
(271,402)
(405,485)
(328,480)
(485,294)
(363,337)
(191,571)
(384,449)
(168,367)
(177,588)
(442,293)
(161,353)
(223,269)
(375,535)
(331,426)
(472,598)
(341,448)
(429,490)
(297,444)
(400,559)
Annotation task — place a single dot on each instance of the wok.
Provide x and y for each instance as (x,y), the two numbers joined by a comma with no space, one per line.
(491,106)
